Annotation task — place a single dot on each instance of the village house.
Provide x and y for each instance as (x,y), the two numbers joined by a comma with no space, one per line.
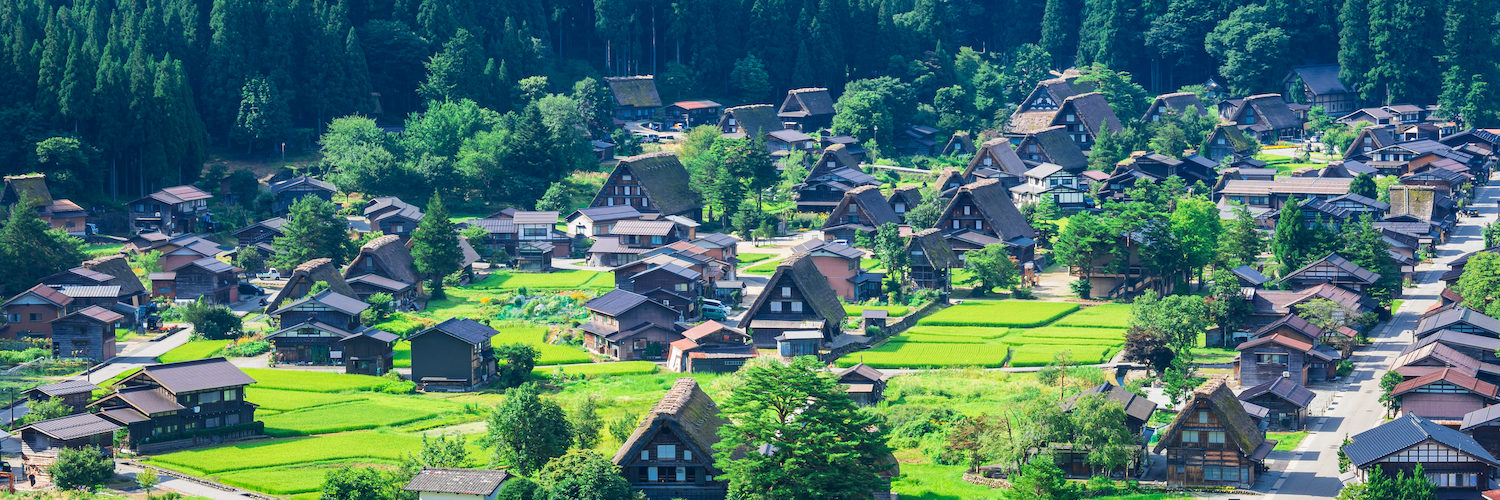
(41,442)
(1369,140)
(207,278)
(904,198)
(179,250)
(1394,114)
(684,115)
(959,144)
(996,160)
(433,483)
(57,213)
(597,221)
(87,333)
(1086,116)
(390,215)
(29,314)
(1156,167)
(835,173)
(1445,395)
(1138,410)
(1394,159)
(74,393)
(1269,306)
(782,143)
(1289,348)
(529,239)
(840,264)
(1320,86)
(865,385)
(807,109)
(671,453)
(1434,357)
(1286,400)
(287,192)
(1452,460)
(1458,319)
(862,210)
(1213,441)
(931,260)
(304,276)
(1334,269)
(182,404)
(751,121)
(679,288)
(796,298)
(719,246)
(1228,142)
(1484,426)
(1266,117)
(981,214)
(1422,204)
(1039,108)
(710,347)
(174,210)
(1259,196)
(635,96)
(453,356)
(106,281)
(652,183)
(1052,145)
(260,235)
(628,326)
(325,329)
(1481,348)
(914,139)
(384,265)
(1168,105)
(630,239)
(1050,181)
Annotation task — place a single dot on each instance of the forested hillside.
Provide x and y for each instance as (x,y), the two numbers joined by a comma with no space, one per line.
(148,87)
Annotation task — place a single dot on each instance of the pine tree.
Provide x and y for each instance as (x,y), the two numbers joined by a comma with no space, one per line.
(1363,185)
(1060,31)
(1366,247)
(32,250)
(1468,41)
(313,230)
(434,246)
(1291,242)
(357,74)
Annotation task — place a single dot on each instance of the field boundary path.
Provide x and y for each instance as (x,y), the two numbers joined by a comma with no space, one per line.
(187,485)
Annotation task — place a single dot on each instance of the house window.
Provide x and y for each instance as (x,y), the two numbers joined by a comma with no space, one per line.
(900,208)
(1202,417)
(968,210)
(796,307)
(1190,437)
(1250,118)
(681,287)
(666,451)
(1070,117)
(656,240)
(1270,359)
(639,344)
(681,474)
(955,223)
(232,419)
(212,422)
(687,454)
(645,455)
(775,306)
(786,291)
(1211,473)
(34,317)
(651,474)
(15,318)
(208,397)
(1216,437)
(625,177)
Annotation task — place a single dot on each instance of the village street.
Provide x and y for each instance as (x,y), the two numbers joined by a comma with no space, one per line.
(1353,405)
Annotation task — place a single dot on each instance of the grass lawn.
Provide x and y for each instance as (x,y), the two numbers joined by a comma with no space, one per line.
(380,410)
(536,336)
(1106,315)
(751,258)
(930,355)
(895,311)
(403,324)
(929,481)
(1212,355)
(102,249)
(267,378)
(1396,305)
(1043,354)
(767,268)
(599,369)
(197,349)
(1287,441)
(568,279)
(1011,313)
(382,447)
(402,352)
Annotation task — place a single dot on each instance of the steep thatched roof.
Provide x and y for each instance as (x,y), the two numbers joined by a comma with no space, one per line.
(389,255)
(663,177)
(684,410)
(635,91)
(959,144)
(755,119)
(1000,155)
(1001,215)
(118,268)
(1093,111)
(1238,427)
(803,274)
(867,199)
(935,249)
(303,277)
(19,187)
(1179,102)
(801,103)
(1059,148)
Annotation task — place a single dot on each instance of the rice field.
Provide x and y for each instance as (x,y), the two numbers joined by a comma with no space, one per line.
(565,279)
(930,355)
(266,378)
(1102,316)
(895,311)
(1007,313)
(378,411)
(386,447)
(1044,354)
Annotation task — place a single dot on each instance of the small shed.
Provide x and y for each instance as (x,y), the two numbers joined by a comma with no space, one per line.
(865,385)
(41,441)
(457,484)
(75,393)
(729,291)
(799,343)
(873,317)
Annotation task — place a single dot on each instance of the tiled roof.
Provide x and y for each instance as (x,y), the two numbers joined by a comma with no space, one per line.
(1135,405)
(479,482)
(463,329)
(1283,388)
(1406,431)
(1451,376)
(43,292)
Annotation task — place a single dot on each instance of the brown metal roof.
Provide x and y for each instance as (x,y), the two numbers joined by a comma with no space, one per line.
(73,427)
(196,375)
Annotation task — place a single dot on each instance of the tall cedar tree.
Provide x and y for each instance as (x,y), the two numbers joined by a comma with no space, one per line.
(31,250)
(434,245)
(1291,242)
(1363,185)
(313,230)
(825,446)
(1366,246)
(526,431)
(1241,243)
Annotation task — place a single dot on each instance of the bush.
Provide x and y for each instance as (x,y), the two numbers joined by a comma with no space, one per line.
(81,468)
(1021,293)
(246,349)
(212,321)
(1344,368)
(1082,288)
(396,385)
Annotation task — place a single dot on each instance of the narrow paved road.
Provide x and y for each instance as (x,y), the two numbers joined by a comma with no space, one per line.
(1312,470)
(142,354)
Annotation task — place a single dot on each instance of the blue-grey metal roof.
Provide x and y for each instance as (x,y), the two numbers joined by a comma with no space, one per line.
(1406,431)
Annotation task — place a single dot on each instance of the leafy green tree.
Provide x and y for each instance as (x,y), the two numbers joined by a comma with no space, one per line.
(1179,319)
(434,247)
(597,105)
(890,248)
(586,424)
(360,157)
(87,468)
(32,250)
(1363,185)
(313,230)
(46,409)
(793,408)
(519,488)
(864,116)
(750,80)
(1366,247)
(1251,49)
(443,451)
(990,268)
(1086,239)
(1109,442)
(926,213)
(359,483)
(526,431)
(584,475)
(1354,46)
(1292,243)
(1128,99)
(1060,21)
(456,71)
(1241,242)
(1196,224)
(263,114)
(974,438)
(1039,478)
(1480,283)
(1229,308)
(519,360)
(65,161)
(1388,383)
(213,321)
(1492,234)
(147,479)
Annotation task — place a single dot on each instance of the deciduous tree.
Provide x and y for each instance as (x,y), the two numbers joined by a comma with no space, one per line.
(526,431)
(313,230)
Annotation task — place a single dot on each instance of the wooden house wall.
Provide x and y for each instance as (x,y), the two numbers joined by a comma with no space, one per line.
(439,355)
(1252,372)
(1186,462)
(79,338)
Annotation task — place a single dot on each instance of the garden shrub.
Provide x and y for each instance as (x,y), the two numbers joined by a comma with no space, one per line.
(247,349)
(396,385)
